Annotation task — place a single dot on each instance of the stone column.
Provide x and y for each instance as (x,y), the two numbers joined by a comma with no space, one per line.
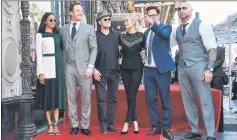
(67,13)
(62,13)
(57,12)
(26,127)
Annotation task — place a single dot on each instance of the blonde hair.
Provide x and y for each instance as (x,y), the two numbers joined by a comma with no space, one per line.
(134,18)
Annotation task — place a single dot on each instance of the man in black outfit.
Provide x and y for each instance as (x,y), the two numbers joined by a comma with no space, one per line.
(106,72)
(218,78)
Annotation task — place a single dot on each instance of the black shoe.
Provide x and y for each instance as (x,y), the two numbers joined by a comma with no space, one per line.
(211,138)
(234,98)
(154,131)
(74,131)
(125,132)
(192,136)
(112,129)
(136,132)
(167,135)
(103,131)
(86,132)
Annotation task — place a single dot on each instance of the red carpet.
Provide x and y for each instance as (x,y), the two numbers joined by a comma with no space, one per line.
(179,120)
(97,136)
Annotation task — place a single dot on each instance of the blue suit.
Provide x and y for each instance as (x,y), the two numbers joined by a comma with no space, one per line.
(158,79)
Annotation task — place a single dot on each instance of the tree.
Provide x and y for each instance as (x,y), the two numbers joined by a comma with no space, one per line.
(36,12)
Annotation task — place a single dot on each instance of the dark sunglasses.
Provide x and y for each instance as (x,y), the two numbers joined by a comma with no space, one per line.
(52,20)
(181,8)
(107,19)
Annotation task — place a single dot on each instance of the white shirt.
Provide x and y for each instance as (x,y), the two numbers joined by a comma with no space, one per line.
(205,31)
(77,26)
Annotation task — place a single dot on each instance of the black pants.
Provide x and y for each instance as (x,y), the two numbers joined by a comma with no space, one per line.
(217,83)
(106,112)
(131,80)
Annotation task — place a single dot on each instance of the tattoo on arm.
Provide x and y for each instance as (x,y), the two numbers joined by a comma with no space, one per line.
(211,58)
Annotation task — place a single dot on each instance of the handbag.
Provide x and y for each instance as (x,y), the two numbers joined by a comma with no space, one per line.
(225,80)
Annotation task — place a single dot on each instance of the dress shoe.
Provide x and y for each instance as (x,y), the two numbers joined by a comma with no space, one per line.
(103,131)
(234,98)
(192,136)
(211,138)
(136,131)
(112,129)
(154,131)
(167,135)
(86,132)
(125,132)
(74,131)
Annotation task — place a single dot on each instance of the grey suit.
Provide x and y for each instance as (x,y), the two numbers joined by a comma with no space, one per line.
(192,64)
(78,54)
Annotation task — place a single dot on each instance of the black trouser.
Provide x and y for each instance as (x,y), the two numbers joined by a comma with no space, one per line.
(131,80)
(106,113)
(217,83)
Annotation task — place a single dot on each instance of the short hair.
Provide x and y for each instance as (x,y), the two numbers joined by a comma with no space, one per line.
(154,8)
(72,6)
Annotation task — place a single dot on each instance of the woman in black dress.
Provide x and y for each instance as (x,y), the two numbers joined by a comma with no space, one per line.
(49,87)
(132,42)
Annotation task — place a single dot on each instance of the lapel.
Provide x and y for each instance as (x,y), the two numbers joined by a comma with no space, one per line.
(67,28)
(80,33)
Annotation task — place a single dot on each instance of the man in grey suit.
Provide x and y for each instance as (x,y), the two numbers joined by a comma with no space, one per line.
(79,56)
(197,55)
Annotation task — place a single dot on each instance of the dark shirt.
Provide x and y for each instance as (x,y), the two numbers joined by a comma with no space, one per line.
(110,47)
(105,43)
(132,45)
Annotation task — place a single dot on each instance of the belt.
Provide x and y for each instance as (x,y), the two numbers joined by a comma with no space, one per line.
(49,54)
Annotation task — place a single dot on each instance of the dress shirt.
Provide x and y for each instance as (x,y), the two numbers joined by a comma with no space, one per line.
(205,31)
(147,43)
(77,26)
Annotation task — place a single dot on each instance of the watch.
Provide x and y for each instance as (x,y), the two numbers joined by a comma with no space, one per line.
(211,69)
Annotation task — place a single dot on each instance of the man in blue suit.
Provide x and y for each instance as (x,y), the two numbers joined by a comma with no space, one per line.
(157,75)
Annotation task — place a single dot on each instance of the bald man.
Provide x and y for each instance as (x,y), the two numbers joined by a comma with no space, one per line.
(197,55)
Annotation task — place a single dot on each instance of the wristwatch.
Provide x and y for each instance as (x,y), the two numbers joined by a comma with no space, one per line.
(211,69)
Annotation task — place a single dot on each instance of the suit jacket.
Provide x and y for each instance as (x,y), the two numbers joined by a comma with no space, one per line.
(220,58)
(86,46)
(161,46)
(100,60)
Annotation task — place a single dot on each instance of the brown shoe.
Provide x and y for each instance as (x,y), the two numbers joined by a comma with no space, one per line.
(167,135)
(154,131)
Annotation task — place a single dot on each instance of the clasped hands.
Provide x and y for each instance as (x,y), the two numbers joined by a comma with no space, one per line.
(97,75)
(207,76)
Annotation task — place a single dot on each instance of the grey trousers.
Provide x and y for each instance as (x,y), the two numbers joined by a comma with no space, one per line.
(191,85)
(73,80)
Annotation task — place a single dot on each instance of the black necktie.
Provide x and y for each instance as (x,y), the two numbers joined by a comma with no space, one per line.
(74,30)
(184,30)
